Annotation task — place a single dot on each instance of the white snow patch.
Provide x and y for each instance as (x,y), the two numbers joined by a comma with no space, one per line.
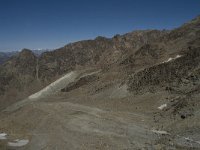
(177,56)
(159,132)
(3,136)
(162,106)
(170,59)
(18,143)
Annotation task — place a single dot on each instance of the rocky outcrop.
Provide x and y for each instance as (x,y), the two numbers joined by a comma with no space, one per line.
(80,82)
(167,72)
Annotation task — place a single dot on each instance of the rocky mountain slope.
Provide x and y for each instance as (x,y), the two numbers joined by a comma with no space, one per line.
(138,90)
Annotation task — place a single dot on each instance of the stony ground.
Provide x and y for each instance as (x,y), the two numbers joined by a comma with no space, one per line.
(101,114)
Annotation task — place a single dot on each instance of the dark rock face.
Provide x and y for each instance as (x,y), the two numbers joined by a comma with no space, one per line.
(167,72)
(153,51)
(82,81)
(83,53)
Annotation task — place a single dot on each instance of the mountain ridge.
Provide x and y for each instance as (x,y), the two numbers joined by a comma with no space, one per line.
(139,90)
(106,53)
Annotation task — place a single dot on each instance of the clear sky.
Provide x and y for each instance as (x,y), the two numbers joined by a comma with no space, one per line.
(51,24)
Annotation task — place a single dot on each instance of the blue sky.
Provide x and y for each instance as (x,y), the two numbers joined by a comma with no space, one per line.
(51,24)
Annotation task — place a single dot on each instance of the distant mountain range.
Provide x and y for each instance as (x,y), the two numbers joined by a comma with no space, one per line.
(4,56)
(40,51)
